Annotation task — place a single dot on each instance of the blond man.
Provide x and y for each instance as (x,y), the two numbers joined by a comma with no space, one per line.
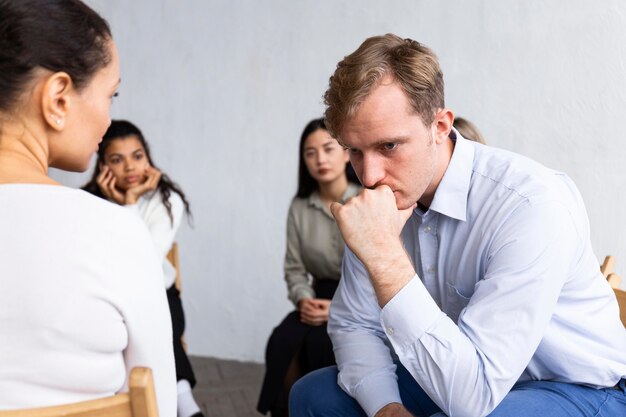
(469,285)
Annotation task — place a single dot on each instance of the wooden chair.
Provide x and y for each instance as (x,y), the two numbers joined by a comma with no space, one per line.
(172,256)
(621,300)
(140,401)
(608,268)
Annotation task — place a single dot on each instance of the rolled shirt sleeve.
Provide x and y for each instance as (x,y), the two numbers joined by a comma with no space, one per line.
(366,368)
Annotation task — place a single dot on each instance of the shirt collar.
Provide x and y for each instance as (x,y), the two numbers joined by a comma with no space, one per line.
(451,196)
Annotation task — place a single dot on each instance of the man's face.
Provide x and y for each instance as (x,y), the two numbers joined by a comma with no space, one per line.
(390,145)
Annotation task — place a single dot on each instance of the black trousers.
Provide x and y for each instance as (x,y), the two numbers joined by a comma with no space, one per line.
(289,338)
(183,366)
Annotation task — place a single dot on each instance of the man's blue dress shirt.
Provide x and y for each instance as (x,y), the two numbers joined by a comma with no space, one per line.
(507,288)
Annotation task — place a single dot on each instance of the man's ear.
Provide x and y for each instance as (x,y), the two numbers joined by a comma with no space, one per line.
(443,124)
(55,99)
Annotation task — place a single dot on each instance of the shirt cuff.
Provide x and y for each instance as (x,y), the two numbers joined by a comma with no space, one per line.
(302,293)
(409,314)
(376,392)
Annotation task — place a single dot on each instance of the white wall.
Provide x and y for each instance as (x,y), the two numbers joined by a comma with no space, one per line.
(223,88)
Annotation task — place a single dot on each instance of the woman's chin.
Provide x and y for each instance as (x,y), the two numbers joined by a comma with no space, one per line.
(327,179)
(71,166)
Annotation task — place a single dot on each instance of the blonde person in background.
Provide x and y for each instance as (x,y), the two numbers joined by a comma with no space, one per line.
(79,306)
(300,343)
(468,130)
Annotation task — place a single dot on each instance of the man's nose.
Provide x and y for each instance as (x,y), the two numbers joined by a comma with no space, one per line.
(372,171)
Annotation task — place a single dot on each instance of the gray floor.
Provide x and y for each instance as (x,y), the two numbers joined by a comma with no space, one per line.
(227,388)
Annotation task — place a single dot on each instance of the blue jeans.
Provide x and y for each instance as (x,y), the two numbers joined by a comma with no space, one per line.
(318,395)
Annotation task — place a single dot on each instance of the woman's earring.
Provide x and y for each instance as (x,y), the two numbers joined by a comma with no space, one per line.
(57,120)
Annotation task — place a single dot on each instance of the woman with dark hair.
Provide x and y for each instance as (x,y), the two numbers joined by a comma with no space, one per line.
(124,183)
(312,266)
(79,306)
(125,174)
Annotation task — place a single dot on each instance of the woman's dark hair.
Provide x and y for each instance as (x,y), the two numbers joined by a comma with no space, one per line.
(58,35)
(120,130)
(306,183)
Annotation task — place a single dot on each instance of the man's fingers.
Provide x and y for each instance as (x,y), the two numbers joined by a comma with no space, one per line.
(334,208)
(384,188)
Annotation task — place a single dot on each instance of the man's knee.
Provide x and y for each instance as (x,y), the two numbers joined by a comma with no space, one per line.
(307,391)
(317,394)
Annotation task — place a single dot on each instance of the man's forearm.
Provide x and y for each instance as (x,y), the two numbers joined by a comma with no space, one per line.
(389,272)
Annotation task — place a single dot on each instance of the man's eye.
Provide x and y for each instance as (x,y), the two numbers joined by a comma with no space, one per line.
(353,151)
(390,146)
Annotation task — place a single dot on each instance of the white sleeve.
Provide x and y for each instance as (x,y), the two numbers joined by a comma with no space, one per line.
(162,228)
(366,369)
(146,316)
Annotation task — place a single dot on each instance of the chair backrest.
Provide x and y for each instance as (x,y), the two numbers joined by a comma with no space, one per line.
(621,300)
(608,268)
(172,256)
(140,401)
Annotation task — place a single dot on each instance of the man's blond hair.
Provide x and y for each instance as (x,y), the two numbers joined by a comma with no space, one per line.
(412,65)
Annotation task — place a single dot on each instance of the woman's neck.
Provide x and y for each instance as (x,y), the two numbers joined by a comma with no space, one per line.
(23,157)
(333,191)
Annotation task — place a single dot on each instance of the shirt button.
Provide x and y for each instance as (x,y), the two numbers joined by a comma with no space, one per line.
(390,331)
(431,269)
(427,229)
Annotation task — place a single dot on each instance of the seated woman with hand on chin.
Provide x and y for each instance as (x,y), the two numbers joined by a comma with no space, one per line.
(125,174)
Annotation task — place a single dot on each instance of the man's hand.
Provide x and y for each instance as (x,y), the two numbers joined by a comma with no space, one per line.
(153,176)
(394,410)
(370,224)
(314,311)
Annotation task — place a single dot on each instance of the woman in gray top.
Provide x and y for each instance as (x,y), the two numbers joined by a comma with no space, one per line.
(300,344)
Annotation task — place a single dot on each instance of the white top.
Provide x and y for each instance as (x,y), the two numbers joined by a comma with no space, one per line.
(507,288)
(79,305)
(162,229)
